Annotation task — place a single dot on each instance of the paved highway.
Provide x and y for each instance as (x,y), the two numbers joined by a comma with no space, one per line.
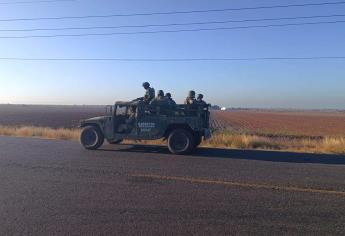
(50,187)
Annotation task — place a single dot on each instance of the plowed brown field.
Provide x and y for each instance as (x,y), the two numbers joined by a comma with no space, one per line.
(281,123)
(47,116)
(294,123)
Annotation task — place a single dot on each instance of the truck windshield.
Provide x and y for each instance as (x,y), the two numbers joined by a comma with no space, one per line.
(121,110)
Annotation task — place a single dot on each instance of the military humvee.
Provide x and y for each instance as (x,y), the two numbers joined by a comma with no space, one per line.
(183,126)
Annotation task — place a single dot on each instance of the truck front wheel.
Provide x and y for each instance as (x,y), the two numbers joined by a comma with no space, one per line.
(91,137)
(181,141)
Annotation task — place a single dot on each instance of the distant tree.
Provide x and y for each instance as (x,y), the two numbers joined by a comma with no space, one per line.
(215,107)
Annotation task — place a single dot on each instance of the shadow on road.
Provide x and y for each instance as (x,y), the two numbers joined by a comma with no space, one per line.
(273,156)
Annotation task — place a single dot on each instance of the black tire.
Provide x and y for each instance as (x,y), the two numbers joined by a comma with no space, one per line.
(181,141)
(91,137)
(118,141)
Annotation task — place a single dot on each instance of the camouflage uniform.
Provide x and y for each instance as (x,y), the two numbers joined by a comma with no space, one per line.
(149,94)
(160,99)
(190,100)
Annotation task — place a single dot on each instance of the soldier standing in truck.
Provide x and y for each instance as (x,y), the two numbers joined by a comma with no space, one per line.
(190,100)
(200,100)
(150,92)
(160,99)
(170,100)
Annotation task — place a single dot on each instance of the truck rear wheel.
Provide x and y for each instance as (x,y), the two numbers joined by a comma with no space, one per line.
(181,141)
(91,137)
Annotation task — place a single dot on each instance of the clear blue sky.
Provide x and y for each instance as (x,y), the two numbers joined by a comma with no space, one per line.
(284,84)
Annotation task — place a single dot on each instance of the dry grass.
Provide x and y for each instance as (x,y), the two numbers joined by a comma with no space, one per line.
(334,145)
(242,141)
(42,132)
(331,145)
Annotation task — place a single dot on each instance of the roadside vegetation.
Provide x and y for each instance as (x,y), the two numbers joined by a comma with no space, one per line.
(220,139)
(40,132)
(333,145)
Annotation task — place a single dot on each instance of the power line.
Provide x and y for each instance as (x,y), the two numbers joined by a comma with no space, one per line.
(171,24)
(39,1)
(171,31)
(175,59)
(177,12)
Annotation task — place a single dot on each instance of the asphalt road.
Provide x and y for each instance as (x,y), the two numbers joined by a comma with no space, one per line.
(57,188)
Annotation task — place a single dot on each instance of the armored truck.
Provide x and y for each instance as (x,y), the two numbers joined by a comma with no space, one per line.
(183,126)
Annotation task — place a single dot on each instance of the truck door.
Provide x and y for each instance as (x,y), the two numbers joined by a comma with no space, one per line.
(148,123)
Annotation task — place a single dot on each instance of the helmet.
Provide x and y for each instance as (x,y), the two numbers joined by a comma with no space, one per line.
(146,84)
(200,96)
(160,93)
(191,94)
(168,95)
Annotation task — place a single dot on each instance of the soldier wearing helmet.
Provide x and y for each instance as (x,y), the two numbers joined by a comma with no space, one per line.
(200,100)
(170,100)
(160,99)
(190,100)
(160,94)
(149,94)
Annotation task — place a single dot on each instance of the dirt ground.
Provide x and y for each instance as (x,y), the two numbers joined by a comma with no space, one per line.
(301,123)
(47,116)
(304,123)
